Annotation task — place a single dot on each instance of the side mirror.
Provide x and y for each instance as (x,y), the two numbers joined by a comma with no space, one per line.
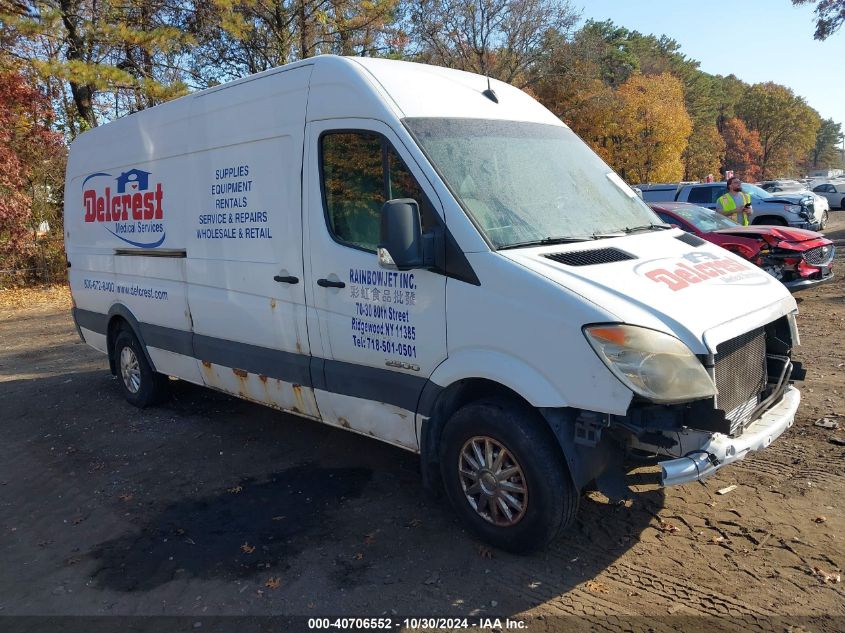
(401,240)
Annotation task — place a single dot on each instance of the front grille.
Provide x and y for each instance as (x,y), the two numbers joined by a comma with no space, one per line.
(740,375)
(591,257)
(820,255)
(809,205)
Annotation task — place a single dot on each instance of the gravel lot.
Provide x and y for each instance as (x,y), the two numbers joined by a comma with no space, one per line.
(211,506)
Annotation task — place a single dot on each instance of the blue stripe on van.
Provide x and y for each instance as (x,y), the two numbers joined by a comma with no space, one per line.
(349,379)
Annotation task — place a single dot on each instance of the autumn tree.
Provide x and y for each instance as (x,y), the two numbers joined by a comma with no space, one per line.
(116,57)
(704,153)
(743,151)
(651,129)
(830,14)
(728,92)
(31,167)
(611,53)
(607,48)
(826,152)
(570,86)
(505,39)
(786,124)
(241,37)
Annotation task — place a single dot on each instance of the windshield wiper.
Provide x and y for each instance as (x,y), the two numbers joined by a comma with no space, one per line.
(646,227)
(628,230)
(607,236)
(548,240)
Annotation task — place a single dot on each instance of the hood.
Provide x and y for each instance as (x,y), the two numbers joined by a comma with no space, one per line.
(784,233)
(786,198)
(665,280)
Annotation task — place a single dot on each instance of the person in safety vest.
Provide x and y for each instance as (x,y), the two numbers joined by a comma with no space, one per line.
(736,204)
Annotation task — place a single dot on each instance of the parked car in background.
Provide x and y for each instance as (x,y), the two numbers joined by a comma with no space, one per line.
(797,258)
(827,173)
(781,186)
(833,192)
(820,203)
(784,209)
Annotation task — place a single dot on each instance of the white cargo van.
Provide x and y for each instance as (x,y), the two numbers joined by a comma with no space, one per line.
(410,253)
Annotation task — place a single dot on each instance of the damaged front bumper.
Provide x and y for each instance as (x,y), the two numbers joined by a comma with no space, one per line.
(802,283)
(718,450)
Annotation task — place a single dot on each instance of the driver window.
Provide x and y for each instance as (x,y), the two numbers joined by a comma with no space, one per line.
(360,171)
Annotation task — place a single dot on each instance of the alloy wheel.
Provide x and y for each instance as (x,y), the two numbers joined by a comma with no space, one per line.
(493,481)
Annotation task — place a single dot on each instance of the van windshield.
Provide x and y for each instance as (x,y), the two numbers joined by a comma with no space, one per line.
(529,183)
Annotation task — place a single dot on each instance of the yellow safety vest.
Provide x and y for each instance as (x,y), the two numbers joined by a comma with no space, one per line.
(729,206)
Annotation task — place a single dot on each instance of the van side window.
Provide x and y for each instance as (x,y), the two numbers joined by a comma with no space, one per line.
(360,172)
(353,186)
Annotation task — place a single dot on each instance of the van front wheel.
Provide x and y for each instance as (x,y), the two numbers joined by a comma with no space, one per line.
(141,385)
(505,475)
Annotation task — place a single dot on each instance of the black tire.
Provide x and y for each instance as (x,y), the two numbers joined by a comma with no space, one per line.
(550,498)
(141,386)
(824,221)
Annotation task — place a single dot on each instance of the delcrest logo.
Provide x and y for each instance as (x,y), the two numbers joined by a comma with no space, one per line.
(698,267)
(135,207)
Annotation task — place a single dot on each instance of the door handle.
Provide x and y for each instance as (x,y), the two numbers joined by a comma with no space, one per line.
(328,283)
(288,279)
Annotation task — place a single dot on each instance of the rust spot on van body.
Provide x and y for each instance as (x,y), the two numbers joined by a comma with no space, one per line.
(241,373)
(297,394)
(343,422)
(272,304)
(262,378)
(206,364)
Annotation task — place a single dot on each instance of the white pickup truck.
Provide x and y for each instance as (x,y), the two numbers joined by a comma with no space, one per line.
(783,209)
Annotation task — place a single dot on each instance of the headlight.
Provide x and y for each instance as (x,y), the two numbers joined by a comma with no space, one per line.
(650,363)
(792,208)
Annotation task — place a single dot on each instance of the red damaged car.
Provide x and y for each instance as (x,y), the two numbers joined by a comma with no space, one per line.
(798,258)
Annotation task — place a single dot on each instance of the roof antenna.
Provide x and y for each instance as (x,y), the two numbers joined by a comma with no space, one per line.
(489,92)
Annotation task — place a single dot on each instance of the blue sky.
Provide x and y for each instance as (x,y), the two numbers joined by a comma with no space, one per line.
(756,40)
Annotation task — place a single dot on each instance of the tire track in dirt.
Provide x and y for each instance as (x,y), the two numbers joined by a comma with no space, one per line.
(790,461)
(625,588)
(601,611)
(775,470)
(667,590)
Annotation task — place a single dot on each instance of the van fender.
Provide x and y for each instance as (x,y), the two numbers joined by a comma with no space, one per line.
(120,310)
(509,371)
(601,461)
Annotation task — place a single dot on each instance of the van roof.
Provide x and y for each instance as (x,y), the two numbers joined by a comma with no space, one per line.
(378,88)
(421,90)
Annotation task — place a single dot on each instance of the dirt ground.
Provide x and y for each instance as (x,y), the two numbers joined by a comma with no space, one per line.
(210,506)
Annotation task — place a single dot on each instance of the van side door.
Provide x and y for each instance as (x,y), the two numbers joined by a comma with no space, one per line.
(381,332)
(244,261)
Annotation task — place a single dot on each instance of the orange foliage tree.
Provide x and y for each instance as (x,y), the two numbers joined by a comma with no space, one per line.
(652,129)
(31,167)
(743,150)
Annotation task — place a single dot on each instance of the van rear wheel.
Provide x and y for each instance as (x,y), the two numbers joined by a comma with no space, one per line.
(505,475)
(141,385)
